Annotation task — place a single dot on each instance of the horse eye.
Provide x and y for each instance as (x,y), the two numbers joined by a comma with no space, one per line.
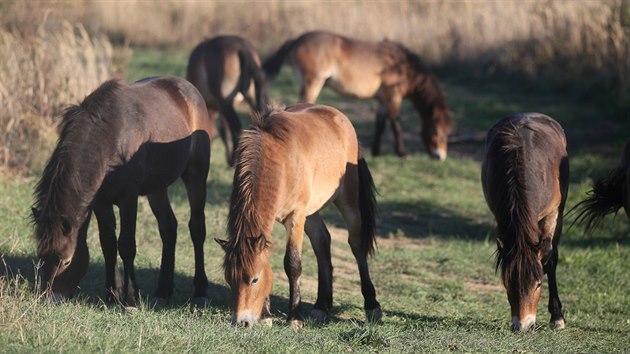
(66,262)
(538,285)
(254,281)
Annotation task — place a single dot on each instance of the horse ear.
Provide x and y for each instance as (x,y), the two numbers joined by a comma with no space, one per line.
(222,243)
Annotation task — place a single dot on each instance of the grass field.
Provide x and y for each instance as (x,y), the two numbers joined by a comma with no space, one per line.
(434,269)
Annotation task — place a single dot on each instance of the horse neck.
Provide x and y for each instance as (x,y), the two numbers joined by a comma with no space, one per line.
(427,96)
(253,202)
(74,173)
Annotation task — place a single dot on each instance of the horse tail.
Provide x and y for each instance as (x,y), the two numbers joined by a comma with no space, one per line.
(604,198)
(250,70)
(272,65)
(367,207)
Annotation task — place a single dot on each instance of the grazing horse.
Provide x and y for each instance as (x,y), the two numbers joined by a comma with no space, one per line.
(123,141)
(525,178)
(289,166)
(226,70)
(608,195)
(365,69)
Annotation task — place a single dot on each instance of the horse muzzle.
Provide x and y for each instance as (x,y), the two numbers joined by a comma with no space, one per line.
(525,325)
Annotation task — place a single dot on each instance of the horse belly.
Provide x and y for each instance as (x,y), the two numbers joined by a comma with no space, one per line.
(165,162)
(353,85)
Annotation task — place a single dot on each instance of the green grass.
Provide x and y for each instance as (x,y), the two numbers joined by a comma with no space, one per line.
(433,270)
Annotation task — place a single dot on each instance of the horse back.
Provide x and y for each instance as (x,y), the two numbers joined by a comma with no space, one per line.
(215,68)
(532,147)
(319,144)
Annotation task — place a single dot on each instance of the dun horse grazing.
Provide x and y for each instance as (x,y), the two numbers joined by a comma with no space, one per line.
(525,178)
(120,142)
(608,194)
(365,69)
(226,70)
(289,166)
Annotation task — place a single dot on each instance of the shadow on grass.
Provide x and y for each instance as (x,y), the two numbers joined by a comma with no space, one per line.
(92,286)
(420,220)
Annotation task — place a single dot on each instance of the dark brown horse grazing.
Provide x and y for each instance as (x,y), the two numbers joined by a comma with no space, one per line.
(226,70)
(365,69)
(608,195)
(289,166)
(525,178)
(120,142)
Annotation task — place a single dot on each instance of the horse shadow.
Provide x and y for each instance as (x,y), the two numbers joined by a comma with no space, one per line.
(421,220)
(92,286)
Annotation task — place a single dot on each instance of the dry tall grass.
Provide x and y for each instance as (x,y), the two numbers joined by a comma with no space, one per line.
(567,43)
(563,41)
(41,72)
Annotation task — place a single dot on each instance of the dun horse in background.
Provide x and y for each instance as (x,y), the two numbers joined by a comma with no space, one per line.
(608,195)
(525,178)
(365,69)
(226,70)
(289,166)
(123,141)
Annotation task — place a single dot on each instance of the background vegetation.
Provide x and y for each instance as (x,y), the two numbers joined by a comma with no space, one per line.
(434,269)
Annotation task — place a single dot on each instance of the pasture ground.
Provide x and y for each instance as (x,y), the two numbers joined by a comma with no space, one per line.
(434,269)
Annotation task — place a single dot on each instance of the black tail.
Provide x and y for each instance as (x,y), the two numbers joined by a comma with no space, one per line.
(272,65)
(250,70)
(605,198)
(367,207)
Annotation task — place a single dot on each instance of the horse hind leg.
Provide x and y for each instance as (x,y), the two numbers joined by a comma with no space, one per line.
(127,249)
(381,117)
(167,225)
(348,204)
(194,178)
(320,240)
(107,236)
(233,128)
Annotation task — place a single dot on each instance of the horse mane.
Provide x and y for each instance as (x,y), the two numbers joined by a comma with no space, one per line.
(425,89)
(60,195)
(517,224)
(245,221)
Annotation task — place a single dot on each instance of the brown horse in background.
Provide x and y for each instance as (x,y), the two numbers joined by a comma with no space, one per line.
(123,141)
(226,70)
(608,195)
(365,69)
(525,178)
(289,166)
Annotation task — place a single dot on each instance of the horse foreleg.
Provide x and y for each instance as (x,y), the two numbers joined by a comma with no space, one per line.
(320,240)
(167,225)
(399,144)
(107,235)
(195,181)
(293,267)
(555,306)
(381,116)
(127,248)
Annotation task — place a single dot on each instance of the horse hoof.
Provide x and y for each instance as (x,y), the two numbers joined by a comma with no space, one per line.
(295,324)
(374,315)
(266,322)
(318,316)
(557,324)
(130,308)
(201,302)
